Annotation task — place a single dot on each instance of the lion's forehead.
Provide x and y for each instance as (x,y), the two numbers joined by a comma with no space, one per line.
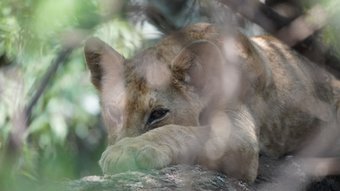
(140,97)
(151,69)
(164,52)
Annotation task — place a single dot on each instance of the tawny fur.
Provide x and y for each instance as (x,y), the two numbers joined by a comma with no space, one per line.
(222,111)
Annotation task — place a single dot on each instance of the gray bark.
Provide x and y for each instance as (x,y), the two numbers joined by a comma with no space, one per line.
(286,174)
(179,177)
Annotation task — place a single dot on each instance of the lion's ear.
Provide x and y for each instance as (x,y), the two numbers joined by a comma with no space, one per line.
(103,62)
(200,65)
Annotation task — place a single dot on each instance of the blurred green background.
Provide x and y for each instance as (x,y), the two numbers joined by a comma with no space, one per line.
(65,137)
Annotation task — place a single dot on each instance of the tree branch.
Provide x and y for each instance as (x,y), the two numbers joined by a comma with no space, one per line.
(22,119)
(258,13)
(61,58)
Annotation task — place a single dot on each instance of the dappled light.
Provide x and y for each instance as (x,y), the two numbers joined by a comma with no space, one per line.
(169,95)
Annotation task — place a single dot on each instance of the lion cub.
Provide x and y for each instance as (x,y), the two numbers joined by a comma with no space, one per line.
(199,97)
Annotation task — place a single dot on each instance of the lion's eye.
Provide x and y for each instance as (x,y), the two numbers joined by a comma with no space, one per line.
(157,115)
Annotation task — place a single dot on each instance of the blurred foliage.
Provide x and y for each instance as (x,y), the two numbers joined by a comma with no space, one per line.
(65,138)
(333,28)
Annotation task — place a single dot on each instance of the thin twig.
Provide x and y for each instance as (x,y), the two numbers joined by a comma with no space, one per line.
(22,119)
(61,58)
(258,13)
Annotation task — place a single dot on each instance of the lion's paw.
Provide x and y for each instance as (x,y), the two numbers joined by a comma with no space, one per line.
(134,154)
